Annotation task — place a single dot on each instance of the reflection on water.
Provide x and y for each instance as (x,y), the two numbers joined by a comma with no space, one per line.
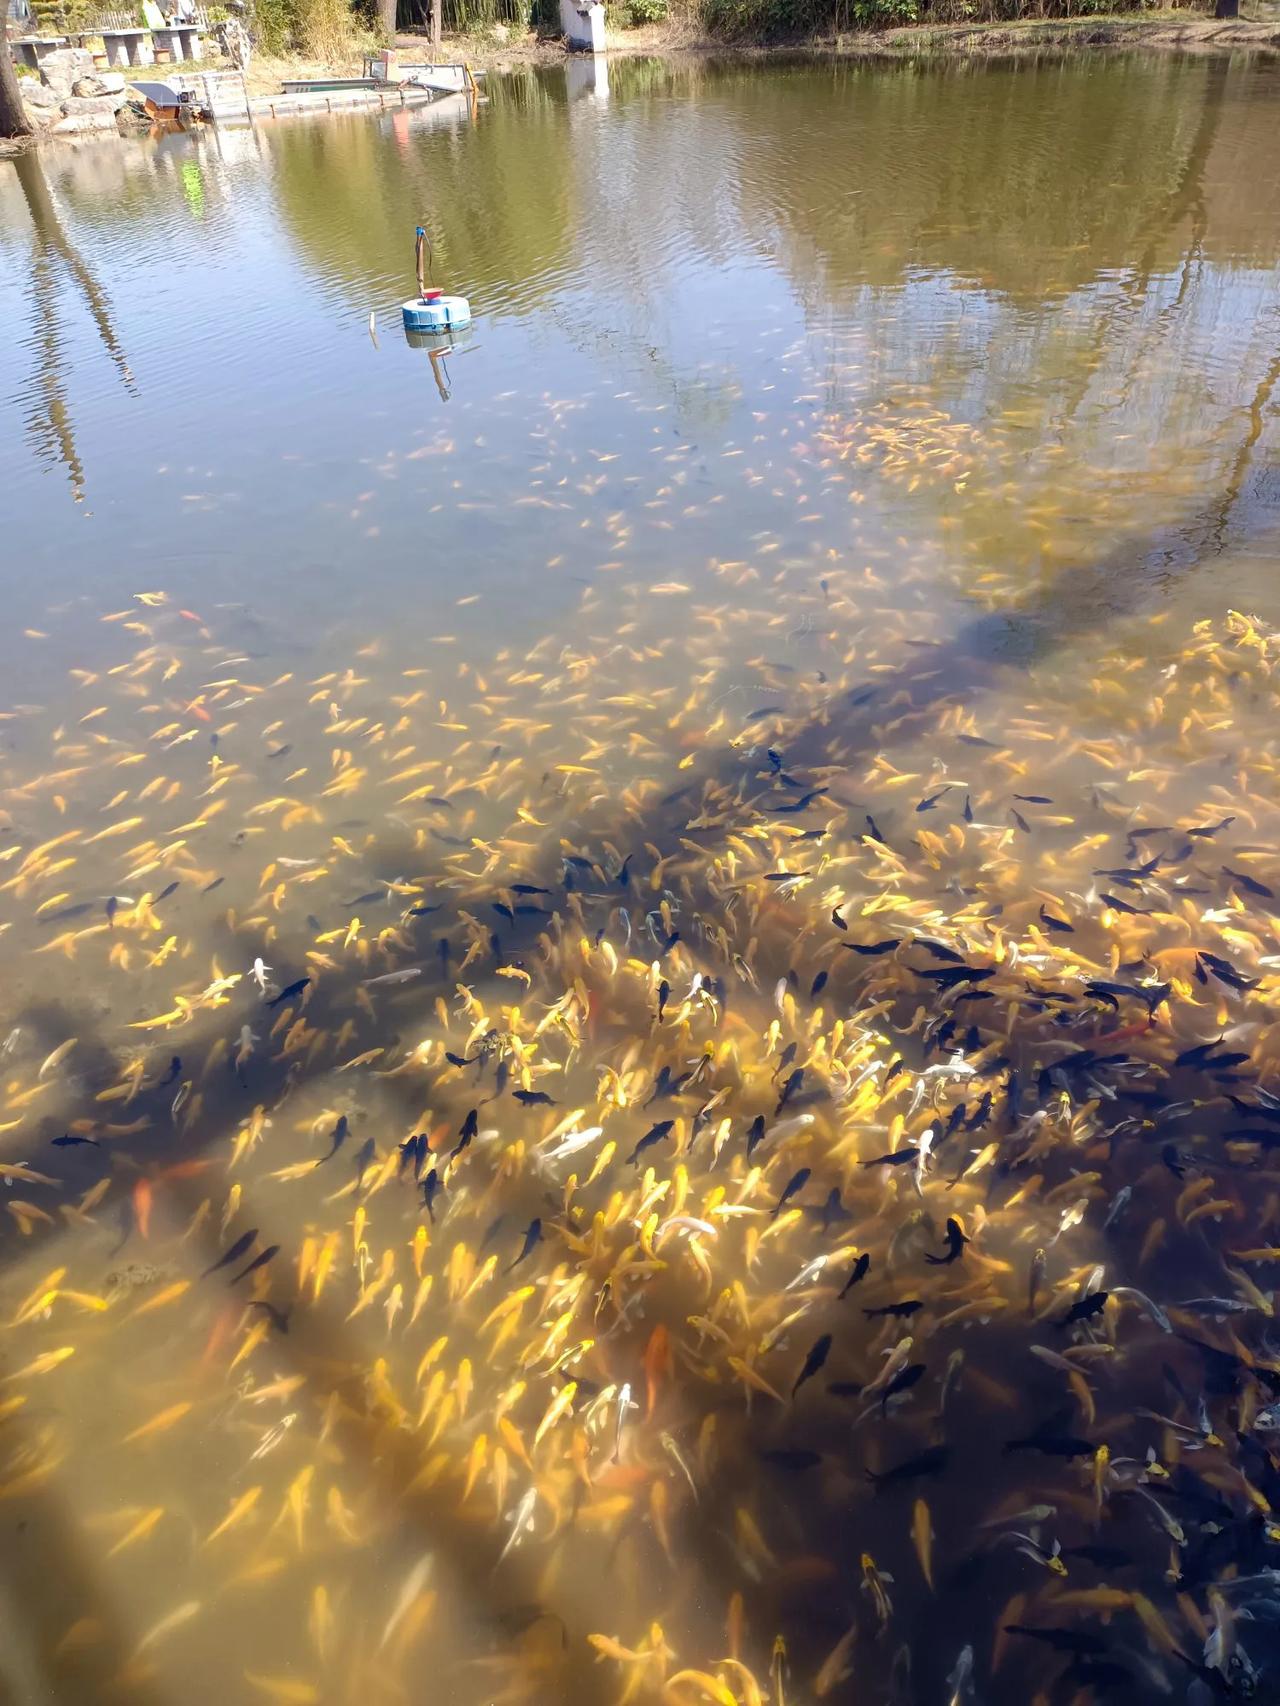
(621,928)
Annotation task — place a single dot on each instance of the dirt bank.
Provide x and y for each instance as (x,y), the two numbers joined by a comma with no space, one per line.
(1185,32)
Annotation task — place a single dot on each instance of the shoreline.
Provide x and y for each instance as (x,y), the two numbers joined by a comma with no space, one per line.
(1181,32)
(1177,32)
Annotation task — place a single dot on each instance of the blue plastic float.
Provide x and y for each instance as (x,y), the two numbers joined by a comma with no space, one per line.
(431,310)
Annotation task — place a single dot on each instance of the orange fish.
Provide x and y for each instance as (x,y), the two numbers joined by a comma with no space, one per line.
(657,1362)
(142,1207)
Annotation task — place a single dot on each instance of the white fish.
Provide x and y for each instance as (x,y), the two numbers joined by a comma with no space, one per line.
(414,1583)
(258,972)
(175,1619)
(684,1223)
(624,1404)
(573,1141)
(521,1521)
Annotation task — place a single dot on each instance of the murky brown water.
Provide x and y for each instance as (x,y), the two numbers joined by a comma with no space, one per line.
(850,523)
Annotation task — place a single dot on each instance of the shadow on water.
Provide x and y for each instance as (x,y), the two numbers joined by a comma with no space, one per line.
(50,422)
(986,652)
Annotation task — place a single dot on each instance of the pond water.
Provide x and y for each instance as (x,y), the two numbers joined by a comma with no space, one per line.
(550,881)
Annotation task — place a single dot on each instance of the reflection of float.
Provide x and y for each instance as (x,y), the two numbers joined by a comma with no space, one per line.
(438,345)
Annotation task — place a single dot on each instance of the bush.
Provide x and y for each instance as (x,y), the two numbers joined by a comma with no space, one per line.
(647,12)
(272,26)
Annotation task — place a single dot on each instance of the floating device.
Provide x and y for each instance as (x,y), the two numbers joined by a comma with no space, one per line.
(431,310)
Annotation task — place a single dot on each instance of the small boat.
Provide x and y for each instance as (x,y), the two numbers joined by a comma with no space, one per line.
(439,79)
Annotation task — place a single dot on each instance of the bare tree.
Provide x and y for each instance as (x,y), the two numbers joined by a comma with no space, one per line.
(13,115)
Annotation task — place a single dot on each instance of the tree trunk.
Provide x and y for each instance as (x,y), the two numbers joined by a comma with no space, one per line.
(13,115)
(387,20)
(436,7)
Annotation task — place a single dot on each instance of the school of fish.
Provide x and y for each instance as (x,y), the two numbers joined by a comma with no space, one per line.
(643,1172)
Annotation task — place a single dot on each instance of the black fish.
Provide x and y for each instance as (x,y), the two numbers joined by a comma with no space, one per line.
(796,1460)
(813,1362)
(1249,883)
(897,1159)
(1052,1445)
(111,908)
(166,892)
(69,1141)
(756,1134)
(838,921)
(955,1119)
(367,899)
(793,1084)
(1021,821)
(818,985)
(528,888)
(931,800)
(665,1085)
(504,910)
(947,977)
(804,802)
(288,993)
(968,809)
(900,1311)
(856,1273)
(902,1381)
(277,1317)
(533,1098)
(1034,799)
(655,1134)
(259,1261)
(76,910)
(366,1155)
(431,1188)
(1210,829)
(1052,923)
(981,1114)
(874,830)
(339,1137)
(1085,1308)
(1105,1557)
(832,1211)
(532,1237)
(956,1242)
(939,950)
(1061,1640)
(461,1059)
(664,995)
(870,948)
(233,1254)
(466,1131)
(929,1462)
(1114,901)
(173,1073)
(794,1185)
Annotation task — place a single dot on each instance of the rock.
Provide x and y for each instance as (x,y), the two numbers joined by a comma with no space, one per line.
(113,82)
(84,106)
(79,124)
(86,86)
(90,106)
(64,67)
(38,95)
